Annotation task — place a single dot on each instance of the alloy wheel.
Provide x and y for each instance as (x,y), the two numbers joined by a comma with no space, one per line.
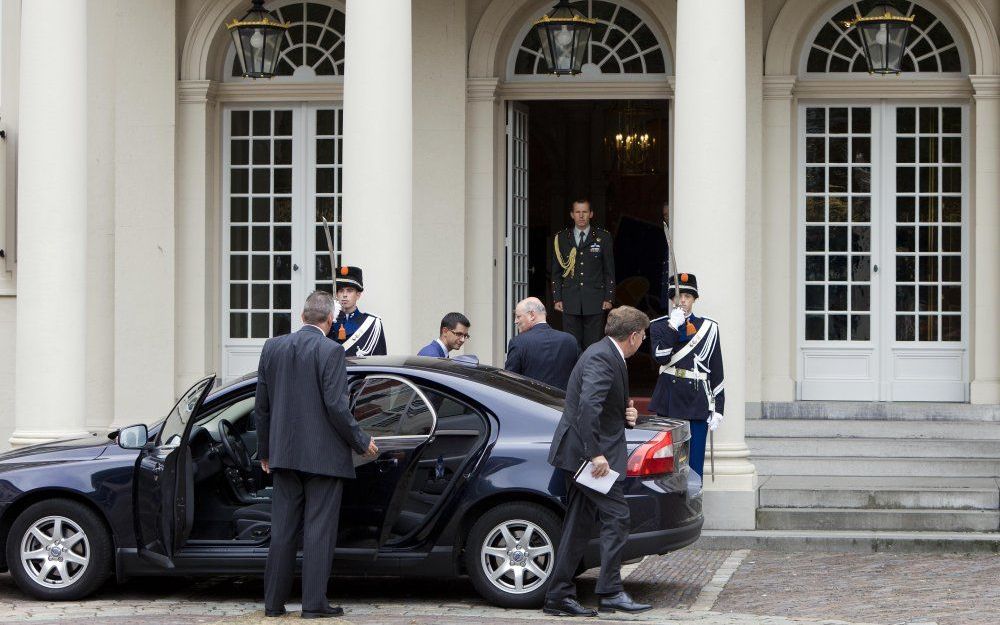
(55,552)
(517,556)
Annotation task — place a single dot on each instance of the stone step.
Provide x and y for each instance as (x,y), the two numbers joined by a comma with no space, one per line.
(844,428)
(879,493)
(879,411)
(876,467)
(865,448)
(852,541)
(916,520)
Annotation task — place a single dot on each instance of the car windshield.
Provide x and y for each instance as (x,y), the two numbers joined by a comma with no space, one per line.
(527,388)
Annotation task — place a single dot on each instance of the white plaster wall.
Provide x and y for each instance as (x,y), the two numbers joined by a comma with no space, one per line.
(439,267)
(755,293)
(8,315)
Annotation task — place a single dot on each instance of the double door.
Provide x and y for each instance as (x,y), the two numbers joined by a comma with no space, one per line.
(281,176)
(883,295)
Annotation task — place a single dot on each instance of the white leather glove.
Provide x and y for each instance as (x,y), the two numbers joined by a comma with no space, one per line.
(336,308)
(676,318)
(714,421)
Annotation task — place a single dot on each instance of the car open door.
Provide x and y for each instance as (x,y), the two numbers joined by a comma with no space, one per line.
(401,419)
(163,485)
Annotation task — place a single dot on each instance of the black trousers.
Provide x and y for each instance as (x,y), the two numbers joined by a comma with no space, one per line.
(311,502)
(585,507)
(588,329)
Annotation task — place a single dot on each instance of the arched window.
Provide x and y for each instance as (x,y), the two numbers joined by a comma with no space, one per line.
(314,45)
(621,43)
(931,48)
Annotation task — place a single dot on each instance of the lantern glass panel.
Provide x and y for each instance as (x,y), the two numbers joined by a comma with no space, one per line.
(582,45)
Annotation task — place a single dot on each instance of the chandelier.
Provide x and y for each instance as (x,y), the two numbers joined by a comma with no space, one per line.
(632,146)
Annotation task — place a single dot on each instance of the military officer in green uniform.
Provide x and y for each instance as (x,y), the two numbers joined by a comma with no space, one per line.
(583,275)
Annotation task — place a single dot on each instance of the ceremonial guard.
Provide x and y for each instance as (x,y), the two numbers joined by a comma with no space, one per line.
(690,385)
(358,332)
(583,276)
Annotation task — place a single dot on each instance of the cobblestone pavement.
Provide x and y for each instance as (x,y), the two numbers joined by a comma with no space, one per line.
(879,587)
(691,587)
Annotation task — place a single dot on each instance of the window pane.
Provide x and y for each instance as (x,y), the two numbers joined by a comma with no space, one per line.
(905,330)
(838,268)
(838,209)
(837,297)
(814,297)
(815,209)
(861,179)
(861,209)
(951,298)
(905,150)
(838,238)
(380,407)
(951,328)
(815,328)
(419,419)
(861,268)
(259,325)
(815,121)
(860,327)
(837,329)
(927,327)
(906,119)
(238,325)
(861,150)
(815,150)
(906,270)
(838,120)
(861,120)
(905,300)
(815,268)
(815,239)
(905,209)
(838,150)
(861,298)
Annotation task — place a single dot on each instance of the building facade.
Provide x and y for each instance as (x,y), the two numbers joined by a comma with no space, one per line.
(162,215)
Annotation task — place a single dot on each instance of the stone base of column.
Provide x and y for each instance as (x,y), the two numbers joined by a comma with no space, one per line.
(24,438)
(985,391)
(729,501)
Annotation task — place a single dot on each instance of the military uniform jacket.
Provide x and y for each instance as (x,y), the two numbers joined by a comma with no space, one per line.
(687,398)
(590,271)
(364,336)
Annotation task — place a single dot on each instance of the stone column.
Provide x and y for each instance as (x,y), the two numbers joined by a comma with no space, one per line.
(483,305)
(378,163)
(52,222)
(710,224)
(985,224)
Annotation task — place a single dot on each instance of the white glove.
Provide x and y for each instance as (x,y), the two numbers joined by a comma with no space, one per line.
(676,318)
(714,421)
(336,309)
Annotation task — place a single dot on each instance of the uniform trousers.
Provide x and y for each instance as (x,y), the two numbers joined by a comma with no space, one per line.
(587,329)
(585,507)
(311,503)
(696,453)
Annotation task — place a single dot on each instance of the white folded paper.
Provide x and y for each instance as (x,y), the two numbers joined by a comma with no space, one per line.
(584,477)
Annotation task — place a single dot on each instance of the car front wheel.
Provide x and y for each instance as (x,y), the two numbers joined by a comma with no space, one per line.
(510,554)
(58,550)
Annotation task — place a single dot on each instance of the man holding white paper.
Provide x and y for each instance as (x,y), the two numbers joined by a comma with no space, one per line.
(592,430)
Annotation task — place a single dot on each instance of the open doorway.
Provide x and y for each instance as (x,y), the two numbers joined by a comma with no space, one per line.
(614,152)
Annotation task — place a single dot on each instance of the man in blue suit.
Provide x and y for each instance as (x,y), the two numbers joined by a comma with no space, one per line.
(453,334)
(540,351)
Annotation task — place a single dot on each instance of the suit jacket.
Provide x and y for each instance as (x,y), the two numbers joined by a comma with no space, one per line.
(593,420)
(433,349)
(543,353)
(592,281)
(303,417)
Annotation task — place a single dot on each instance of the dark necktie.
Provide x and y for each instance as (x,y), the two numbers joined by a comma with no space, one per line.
(582,237)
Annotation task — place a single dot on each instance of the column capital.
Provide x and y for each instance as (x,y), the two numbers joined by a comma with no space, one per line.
(482,89)
(779,87)
(985,86)
(196,91)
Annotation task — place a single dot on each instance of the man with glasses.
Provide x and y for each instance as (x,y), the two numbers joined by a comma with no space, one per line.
(453,334)
(592,428)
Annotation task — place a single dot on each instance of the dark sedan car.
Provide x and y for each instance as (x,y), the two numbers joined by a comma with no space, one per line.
(461,486)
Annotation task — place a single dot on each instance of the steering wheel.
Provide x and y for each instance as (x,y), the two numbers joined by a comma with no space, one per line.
(235,448)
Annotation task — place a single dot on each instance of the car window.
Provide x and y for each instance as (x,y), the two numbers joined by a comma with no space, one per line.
(419,419)
(173,426)
(381,404)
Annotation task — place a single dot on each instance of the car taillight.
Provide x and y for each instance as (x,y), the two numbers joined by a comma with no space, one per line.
(654,457)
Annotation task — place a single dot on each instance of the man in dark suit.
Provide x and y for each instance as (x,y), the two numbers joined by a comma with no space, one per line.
(592,428)
(452,335)
(583,275)
(540,351)
(305,435)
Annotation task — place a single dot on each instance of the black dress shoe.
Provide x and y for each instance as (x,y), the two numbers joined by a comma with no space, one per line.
(329,612)
(567,607)
(279,612)
(622,602)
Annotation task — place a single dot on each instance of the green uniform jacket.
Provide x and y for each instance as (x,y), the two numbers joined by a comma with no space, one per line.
(592,281)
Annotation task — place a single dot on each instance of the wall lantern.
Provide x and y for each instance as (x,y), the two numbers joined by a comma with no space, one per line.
(884,31)
(565,35)
(258,36)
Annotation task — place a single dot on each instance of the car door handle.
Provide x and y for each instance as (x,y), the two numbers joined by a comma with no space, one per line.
(387,464)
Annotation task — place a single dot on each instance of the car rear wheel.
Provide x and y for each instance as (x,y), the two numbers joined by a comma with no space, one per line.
(58,550)
(510,554)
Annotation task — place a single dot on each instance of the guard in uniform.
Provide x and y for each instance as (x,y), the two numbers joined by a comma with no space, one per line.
(583,276)
(690,385)
(358,332)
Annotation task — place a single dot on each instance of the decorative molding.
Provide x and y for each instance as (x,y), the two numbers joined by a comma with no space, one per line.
(779,87)
(619,89)
(196,91)
(892,87)
(985,87)
(481,89)
(280,92)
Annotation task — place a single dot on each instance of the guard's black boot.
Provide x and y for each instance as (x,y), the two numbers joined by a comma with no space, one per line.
(567,607)
(622,602)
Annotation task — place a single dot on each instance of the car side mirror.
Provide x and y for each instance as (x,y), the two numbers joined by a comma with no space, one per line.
(133,437)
